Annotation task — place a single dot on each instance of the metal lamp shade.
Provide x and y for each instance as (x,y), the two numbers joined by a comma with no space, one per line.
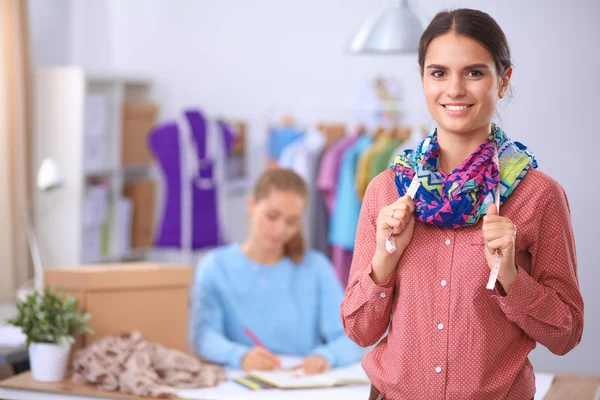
(394,29)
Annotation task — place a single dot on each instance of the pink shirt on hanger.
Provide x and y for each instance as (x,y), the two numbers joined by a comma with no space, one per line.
(329,169)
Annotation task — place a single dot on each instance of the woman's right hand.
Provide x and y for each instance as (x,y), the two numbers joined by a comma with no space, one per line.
(400,217)
(260,358)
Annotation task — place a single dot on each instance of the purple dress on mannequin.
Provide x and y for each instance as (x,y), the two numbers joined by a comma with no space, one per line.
(164,141)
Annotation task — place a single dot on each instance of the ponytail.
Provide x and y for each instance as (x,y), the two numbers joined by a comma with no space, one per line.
(295,247)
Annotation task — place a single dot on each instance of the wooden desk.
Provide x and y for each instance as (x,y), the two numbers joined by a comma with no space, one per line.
(574,387)
(23,387)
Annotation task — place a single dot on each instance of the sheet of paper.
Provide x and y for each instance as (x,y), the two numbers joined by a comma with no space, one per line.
(354,372)
(289,361)
(543,381)
(293,379)
(286,363)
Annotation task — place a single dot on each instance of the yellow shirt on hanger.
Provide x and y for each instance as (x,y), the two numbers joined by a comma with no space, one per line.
(379,162)
(363,167)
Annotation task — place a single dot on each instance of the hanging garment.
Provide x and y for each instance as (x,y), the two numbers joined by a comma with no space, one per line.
(410,143)
(228,136)
(380,159)
(344,219)
(320,215)
(280,138)
(329,169)
(366,160)
(301,156)
(341,259)
(181,151)
(342,226)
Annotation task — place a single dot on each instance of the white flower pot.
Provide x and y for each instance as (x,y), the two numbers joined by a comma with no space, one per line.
(48,361)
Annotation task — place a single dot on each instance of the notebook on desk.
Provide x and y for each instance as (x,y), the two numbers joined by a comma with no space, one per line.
(297,379)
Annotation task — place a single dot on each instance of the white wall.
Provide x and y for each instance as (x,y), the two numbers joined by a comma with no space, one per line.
(71,32)
(239,58)
(49,25)
(91,37)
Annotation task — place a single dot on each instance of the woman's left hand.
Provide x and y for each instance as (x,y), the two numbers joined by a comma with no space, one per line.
(314,365)
(499,234)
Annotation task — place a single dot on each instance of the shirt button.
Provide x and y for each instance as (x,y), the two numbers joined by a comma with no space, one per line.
(382,295)
(438,369)
(447,242)
(440,326)
(443,283)
(502,303)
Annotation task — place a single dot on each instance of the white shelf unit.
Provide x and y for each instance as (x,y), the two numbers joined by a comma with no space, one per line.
(61,128)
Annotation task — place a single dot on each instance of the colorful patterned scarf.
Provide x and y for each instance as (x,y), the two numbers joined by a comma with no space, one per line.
(460,198)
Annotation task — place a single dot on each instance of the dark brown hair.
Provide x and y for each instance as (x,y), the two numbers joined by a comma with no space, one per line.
(288,181)
(472,23)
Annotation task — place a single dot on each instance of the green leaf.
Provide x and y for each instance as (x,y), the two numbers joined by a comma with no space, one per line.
(50,317)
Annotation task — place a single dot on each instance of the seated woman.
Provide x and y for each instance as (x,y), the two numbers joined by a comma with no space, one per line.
(270,295)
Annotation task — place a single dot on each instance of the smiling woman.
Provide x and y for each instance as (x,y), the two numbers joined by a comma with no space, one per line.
(445,327)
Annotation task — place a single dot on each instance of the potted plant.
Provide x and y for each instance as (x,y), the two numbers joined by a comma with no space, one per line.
(49,320)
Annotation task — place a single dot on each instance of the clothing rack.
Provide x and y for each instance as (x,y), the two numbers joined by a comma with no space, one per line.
(353,115)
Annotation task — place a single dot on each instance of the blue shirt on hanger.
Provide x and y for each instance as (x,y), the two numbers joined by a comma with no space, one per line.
(280,138)
(344,219)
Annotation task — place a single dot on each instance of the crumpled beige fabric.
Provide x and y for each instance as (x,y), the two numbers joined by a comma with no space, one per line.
(130,364)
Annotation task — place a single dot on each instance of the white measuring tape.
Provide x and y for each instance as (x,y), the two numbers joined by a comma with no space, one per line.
(496,267)
(390,246)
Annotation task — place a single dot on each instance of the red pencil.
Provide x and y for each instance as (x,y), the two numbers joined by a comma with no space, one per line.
(257,342)
(253,337)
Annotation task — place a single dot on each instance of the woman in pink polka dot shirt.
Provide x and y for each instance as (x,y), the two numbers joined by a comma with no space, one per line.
(448,336)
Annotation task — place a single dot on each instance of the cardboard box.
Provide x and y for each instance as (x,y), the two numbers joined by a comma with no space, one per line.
(142,194)
(138,121)
(150,298)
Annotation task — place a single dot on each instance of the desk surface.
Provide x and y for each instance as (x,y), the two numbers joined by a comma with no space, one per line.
(574,387)
(23,387)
